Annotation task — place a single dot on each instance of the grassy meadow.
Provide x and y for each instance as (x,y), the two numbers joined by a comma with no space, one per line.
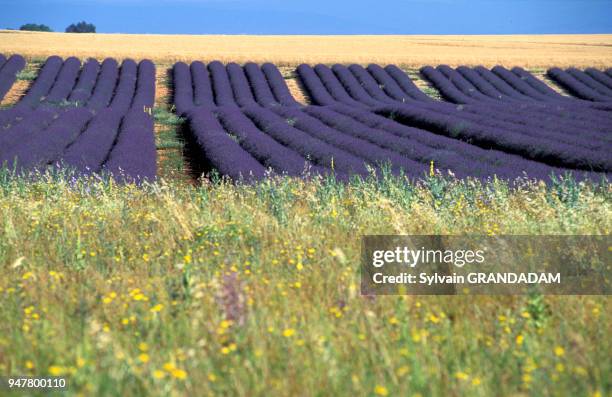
(234,289)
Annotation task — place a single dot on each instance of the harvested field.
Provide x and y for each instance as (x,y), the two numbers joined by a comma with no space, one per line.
(530,51)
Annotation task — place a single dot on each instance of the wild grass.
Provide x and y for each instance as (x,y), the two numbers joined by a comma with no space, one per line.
(28,75)
(253,289)
(165,117)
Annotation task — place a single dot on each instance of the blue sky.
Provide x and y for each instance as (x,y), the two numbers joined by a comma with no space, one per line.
(317,16)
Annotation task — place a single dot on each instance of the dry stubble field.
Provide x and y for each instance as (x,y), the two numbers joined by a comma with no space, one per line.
(221,289)
(532,51)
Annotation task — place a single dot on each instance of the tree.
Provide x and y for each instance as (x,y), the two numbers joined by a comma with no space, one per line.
(81,27)
(34,27)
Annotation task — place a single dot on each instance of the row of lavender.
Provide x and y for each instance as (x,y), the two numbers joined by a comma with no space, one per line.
(216,85)
(93,118)
(8,72)
(590,84)
(470,85)
(245,122)
(567,135)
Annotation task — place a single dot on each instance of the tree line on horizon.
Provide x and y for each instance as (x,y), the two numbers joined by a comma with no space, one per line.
(80,27)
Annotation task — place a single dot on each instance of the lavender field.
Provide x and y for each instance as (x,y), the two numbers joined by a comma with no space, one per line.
(498,122)
(242,121)
(91,118)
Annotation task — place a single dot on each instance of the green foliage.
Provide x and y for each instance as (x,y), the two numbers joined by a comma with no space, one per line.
(27,74)
(34,27)
(538,310)
(165,117)
(565,189)
(81,27)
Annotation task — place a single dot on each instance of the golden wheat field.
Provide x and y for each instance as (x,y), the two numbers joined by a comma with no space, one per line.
(532,51)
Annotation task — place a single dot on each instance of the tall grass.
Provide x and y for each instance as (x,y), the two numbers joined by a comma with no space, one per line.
(253,289)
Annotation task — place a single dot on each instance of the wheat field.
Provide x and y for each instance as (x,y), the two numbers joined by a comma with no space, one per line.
(532,51)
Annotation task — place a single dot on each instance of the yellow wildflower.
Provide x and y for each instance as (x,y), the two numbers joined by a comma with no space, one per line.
(140,297)
(519,339)
(381,391)
(179,374)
